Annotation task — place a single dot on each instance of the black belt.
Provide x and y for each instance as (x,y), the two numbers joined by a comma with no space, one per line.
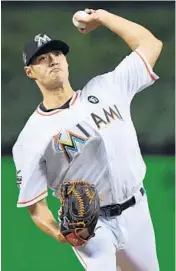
(117,209)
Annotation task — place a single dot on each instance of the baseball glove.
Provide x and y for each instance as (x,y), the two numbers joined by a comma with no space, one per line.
(79,212)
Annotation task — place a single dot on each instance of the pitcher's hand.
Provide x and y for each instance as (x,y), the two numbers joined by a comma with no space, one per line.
(92,21)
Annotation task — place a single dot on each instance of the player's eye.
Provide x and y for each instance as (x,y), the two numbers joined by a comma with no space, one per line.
(42,57)
(57,53)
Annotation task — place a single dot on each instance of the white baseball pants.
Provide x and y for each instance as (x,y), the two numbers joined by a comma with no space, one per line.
(125,242)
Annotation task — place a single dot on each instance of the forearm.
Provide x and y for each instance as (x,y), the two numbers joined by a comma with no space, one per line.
(48,226)
(44,220)
(132,33)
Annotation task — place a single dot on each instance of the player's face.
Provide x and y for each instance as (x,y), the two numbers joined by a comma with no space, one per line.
(50,69)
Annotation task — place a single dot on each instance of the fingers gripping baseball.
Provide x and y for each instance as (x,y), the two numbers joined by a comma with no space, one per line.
(90,11)
(86,21)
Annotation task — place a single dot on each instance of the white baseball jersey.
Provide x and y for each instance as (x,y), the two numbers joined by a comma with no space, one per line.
(94,139)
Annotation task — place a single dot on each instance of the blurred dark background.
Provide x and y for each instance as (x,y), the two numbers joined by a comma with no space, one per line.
(92,54)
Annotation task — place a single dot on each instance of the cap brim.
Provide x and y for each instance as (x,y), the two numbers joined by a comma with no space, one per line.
(51,45)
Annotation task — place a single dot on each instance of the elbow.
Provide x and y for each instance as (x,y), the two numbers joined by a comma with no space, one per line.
(157,48)
(32,211)
(159,45)
(35,217)
(151,48)
(155,44)
(152,43)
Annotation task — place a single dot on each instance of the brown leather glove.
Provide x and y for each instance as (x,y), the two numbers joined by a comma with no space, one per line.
(79,212)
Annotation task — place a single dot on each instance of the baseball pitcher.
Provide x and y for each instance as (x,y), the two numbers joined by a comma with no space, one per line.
(83,146)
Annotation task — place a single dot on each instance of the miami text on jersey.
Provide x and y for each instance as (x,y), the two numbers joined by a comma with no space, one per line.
(108,115)
(68,142)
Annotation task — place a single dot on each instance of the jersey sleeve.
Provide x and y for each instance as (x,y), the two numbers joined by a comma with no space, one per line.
(31,176)
(132,75)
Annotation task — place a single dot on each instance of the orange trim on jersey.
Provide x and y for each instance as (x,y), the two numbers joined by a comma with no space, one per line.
(24,202)
(48,114)
(76,96)
(151,75)
(81,259)
(57,110)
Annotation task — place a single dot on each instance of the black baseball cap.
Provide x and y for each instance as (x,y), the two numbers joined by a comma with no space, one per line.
(42,43)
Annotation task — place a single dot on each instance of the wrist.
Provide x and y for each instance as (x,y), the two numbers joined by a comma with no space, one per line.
(60,237)
(101,16)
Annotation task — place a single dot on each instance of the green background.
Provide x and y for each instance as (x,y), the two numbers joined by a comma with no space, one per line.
(26,248)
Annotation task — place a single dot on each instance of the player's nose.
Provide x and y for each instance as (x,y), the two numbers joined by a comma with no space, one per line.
(53,60)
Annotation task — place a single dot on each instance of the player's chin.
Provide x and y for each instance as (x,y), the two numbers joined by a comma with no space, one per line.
(58,77)
(56,82)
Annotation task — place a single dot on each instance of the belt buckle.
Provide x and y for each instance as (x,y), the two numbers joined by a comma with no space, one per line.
(118,209)
(107,211)
(115,210)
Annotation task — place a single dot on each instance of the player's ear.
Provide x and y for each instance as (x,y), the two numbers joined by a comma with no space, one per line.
(29,72)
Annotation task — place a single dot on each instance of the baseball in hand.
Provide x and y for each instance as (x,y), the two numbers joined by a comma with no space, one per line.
(81,14)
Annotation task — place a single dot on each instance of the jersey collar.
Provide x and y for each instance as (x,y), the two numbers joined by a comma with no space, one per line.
(73,100)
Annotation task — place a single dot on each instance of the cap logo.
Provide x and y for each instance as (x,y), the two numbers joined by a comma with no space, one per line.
(24,58)
(41,39)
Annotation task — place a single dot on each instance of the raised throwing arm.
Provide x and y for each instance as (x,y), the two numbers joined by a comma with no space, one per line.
(135,35)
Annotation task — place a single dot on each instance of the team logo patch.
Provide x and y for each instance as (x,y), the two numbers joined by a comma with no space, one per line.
(41,39)
(24,58)
(93,99)
(69,143)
